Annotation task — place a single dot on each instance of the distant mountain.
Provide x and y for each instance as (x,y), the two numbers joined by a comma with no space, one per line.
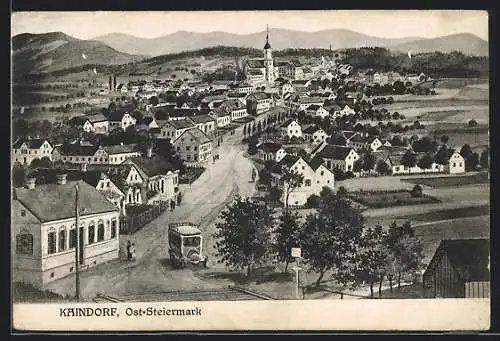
(466,43)
(38,53)
(280,39)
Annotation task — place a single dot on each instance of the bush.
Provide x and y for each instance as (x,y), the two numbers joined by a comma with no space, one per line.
(416,192)
(312,201)
(275,193)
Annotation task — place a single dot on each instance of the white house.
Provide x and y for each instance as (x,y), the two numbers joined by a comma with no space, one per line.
(121,152)
(456,163)
(193,145)
(291,128)
(317,111)
(174,128)
(305,102)
(316,176)
(26,150)
(96,123)
(44,235)
(270,151)
(347,111)
(314,135)
(338,157)
(118,119)
(222,116)
(205,123)
(264,101)
(359,142)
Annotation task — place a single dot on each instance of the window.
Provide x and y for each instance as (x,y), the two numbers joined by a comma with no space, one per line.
(24,244)
(72,238)
(100,231)
(62,240)
(397,169)
(308,182)
(51,243)
(188,147)
(91,234)
(113,229)
(107,184)
(460,164)
(322,173)
(23,213)
(454,164)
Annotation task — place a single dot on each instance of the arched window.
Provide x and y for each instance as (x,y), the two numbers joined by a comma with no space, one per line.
(91,233)
(100,231)
(62,239)
(24,244)
(72,237)
(51,242)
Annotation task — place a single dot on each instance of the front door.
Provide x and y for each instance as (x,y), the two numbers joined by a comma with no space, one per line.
(81,246)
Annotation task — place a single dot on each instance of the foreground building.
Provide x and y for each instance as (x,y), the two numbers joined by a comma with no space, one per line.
(44,234)
(26,150)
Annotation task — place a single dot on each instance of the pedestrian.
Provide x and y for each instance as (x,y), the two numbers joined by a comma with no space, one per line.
(129,253)
(132,252)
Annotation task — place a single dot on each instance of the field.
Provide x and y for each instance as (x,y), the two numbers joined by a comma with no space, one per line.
(442,181)
(380,199)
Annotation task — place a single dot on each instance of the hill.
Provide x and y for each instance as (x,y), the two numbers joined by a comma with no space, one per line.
(280,39)
(48,52)
(466,43)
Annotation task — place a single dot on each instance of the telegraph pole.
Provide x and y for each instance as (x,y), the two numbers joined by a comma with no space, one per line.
(77,247)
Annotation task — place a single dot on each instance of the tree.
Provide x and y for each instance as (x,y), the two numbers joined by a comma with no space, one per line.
(291,181)
(472,123)
(416,191)
(286,236)
(372,258)
(472,162)
(245,130)
(424,145)
(154,100)
(426,161)
(383,168)
(252,145)
(485,159)
(445,139)
(243,234)
(406,251)
(18,175)
(409,159)
(368,161)
(441,157)
(357,166)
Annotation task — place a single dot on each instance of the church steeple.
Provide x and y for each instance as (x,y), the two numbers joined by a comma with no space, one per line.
(268,45)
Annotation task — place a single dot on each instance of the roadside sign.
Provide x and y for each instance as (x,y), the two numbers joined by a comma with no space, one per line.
(296,252)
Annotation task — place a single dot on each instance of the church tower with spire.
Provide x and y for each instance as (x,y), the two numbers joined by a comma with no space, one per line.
(268,59)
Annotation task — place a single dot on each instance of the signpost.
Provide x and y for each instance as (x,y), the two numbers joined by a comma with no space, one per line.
(296,253)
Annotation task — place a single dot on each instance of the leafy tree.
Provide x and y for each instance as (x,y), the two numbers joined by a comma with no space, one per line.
(154,100)
(406,251)
(338,139)
(426,161)
(243,234)
(409,159)
(291,181)
(252,145)
(368,161)
(485,159)
(445,139)
(357,166)
(472,123)
(383,168)
(441,156)
(372,257)
(275,193)
(18,175)
(286,236)
(416,191)
(424,145)
(466,151)
(472,162)
(312,201)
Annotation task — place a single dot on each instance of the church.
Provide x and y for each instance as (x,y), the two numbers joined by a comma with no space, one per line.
(263,70)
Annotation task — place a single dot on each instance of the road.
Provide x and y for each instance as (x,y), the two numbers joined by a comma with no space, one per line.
(202,202)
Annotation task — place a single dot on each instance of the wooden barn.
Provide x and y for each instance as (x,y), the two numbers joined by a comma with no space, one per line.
(459,269)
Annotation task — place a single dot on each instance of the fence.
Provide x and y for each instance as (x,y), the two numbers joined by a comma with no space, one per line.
(131,224)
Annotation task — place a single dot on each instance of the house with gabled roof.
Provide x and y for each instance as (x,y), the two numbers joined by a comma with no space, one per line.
(460,268)
(338,157)
(80,152)
(314,134)
(316,110)
(305,101)
(264,100)
(173,129)
(291,128)
(360,142)
(25,151)
(270,151)
(96,123)
(162,178)
(456,163)
(205,123)
(120,119)
(44,233)
(193,145)
(222,115)
(316,176)
(236,108)
(119,153)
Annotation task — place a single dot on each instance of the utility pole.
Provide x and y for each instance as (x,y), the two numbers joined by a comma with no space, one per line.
(77,247)
(296,253)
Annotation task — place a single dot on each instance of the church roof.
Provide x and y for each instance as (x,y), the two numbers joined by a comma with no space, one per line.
(267,46)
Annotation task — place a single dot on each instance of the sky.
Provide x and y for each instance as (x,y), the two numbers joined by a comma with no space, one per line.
(385,24)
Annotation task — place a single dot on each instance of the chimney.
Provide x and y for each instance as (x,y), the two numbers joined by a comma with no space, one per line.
(30,183)
(84,167)
(61,179)
(149,151)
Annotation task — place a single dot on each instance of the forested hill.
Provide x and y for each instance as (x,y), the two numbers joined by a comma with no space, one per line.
(435,64)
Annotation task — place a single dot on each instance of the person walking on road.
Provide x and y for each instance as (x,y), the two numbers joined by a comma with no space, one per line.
(132,252)
(129,251)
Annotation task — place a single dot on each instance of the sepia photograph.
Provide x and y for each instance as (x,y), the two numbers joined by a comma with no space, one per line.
(265,162)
